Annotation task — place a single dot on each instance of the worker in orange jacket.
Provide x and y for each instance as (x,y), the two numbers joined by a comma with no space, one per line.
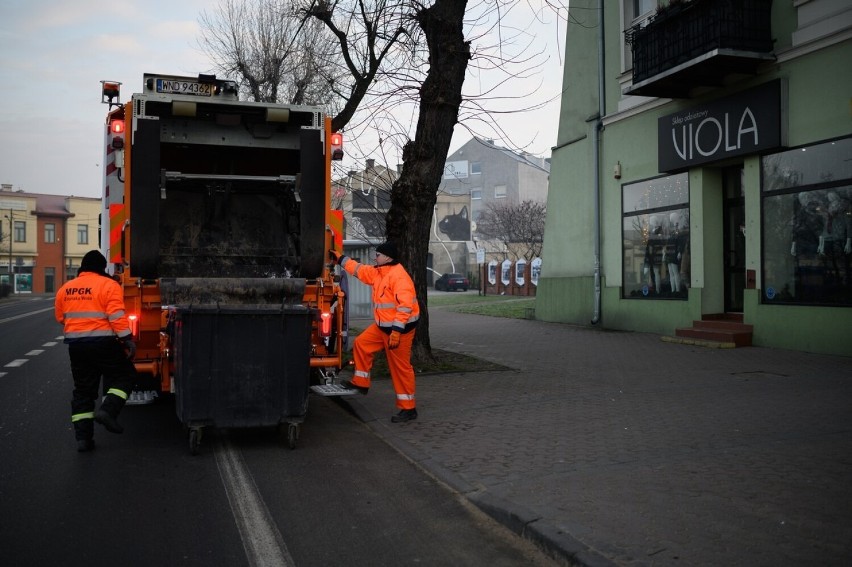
(97,331)
(396,315)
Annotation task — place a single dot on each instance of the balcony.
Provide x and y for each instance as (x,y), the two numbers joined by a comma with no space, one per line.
(699,43)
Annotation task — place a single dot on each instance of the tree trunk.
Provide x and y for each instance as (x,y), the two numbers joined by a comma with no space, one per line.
(414,194)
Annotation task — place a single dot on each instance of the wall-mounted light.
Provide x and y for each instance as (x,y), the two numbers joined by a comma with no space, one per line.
(616,171)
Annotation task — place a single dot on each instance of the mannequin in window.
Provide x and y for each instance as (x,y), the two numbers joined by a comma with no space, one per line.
(807,223)
(835,241)
(836,231)
(651,268)
(675,247)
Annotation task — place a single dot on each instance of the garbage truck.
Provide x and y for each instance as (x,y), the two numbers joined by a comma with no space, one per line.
(216,221)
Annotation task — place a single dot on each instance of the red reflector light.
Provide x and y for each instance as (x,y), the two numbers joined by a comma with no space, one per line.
(337,139)
(117,126)
(325,325)
(134,325)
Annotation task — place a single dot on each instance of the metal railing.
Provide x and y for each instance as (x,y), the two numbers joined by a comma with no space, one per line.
(682,31)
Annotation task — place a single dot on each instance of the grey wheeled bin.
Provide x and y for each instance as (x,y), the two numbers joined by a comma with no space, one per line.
(241,366)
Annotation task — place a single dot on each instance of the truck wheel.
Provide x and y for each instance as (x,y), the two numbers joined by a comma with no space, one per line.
(292,435)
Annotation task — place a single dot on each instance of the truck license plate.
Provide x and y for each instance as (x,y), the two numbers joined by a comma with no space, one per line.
(184,87)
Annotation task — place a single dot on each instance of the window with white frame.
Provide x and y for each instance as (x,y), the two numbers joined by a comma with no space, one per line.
(49,233)
(82,234)
(20,231)
(476,194)
(499,191)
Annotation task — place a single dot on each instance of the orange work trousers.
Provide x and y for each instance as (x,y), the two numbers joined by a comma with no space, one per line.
(371,341)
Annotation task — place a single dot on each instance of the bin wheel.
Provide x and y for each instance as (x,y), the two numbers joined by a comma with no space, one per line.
(292,435)
(194,440)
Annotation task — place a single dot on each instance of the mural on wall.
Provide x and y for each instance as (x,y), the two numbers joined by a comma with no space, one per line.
(456,225)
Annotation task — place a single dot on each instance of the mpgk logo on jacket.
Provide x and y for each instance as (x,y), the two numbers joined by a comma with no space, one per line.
(78,291)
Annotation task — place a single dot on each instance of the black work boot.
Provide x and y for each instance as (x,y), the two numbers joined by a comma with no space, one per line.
(405,415)
(84,430)
(104,418)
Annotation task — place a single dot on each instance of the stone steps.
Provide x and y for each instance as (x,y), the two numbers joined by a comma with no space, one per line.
(725,328)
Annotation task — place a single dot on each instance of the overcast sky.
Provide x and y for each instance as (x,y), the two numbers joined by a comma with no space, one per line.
(55,53)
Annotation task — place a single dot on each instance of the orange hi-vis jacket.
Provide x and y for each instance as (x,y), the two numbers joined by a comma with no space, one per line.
(90,307)
(396,307)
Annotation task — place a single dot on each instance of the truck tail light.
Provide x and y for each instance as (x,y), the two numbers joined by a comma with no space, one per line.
(116,126)
(325,324)
(134,326)
(337,146)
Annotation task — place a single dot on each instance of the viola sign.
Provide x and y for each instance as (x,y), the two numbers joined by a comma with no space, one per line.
(745,123)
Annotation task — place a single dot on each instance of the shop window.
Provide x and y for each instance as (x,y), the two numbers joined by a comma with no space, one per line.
(807,225)
(655,233)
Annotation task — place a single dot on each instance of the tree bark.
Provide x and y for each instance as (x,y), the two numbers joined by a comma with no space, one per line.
(414,194)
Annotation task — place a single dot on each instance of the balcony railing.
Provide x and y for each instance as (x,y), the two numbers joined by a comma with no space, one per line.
(697,43)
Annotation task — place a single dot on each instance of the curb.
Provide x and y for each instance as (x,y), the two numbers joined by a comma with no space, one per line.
(518,519)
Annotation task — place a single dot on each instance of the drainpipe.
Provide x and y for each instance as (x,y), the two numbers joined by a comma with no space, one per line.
(596,141)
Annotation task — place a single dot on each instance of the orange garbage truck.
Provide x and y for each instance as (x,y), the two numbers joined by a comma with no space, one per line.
(216,220)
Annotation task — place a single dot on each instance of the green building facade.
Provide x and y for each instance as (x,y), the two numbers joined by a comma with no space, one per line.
(703,168)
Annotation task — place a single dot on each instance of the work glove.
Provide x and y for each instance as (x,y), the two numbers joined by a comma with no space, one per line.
(335,255)
(129,347)
(393,340)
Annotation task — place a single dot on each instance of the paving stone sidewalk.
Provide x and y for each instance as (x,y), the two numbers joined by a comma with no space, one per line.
(615,448)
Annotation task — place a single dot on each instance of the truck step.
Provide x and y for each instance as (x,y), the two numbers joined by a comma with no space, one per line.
(140,398)
(332,390)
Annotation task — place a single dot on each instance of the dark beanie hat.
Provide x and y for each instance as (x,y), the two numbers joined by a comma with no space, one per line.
(388,249)
(93,261)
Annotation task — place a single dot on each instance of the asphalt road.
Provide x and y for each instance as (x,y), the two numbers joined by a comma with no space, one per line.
(342,497)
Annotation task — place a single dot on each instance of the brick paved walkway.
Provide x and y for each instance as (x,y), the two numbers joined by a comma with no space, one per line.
(615,448)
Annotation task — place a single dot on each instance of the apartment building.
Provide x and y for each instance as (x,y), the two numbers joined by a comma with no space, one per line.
(43,238)
(703,172)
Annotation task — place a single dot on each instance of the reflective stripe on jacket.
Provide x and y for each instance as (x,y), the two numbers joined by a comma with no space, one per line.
(396,307)
(91,306)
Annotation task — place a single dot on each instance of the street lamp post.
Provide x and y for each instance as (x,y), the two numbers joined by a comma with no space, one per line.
(11,232)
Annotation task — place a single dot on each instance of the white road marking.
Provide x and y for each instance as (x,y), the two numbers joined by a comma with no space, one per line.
(22,315)
(17,362)
(3,374)
(34,352)
(261,539)
(50,344)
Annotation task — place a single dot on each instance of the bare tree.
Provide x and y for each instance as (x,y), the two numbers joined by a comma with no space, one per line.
(398,54)
(276,55)
(423,157)
(518,228)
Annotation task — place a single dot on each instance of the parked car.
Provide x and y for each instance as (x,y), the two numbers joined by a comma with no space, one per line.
(452,282)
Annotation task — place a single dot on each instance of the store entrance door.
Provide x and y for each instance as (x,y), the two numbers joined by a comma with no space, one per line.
(733,212)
